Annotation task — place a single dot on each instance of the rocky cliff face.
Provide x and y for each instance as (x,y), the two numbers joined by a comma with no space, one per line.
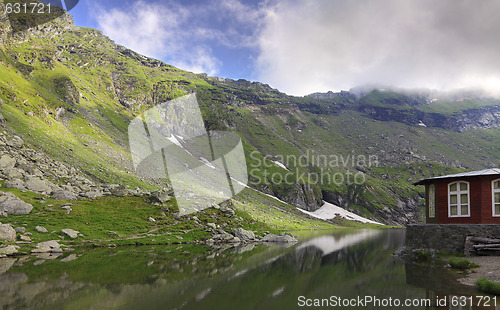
(304,197)
(405,212)
(4,25)
(480,118)
(413,109)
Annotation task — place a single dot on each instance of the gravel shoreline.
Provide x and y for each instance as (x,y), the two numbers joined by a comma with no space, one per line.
(489,269)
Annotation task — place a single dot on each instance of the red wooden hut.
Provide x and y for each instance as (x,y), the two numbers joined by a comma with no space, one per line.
(464,198)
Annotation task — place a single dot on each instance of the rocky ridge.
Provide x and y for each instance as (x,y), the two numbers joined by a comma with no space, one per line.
(412,107)
(479,118)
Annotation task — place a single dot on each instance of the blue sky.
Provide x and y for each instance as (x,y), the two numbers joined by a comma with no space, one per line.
(304,46)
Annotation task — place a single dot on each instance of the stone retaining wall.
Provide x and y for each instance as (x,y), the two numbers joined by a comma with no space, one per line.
(448,238)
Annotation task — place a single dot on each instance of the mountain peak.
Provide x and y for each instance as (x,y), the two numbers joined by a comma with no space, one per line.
(21,26)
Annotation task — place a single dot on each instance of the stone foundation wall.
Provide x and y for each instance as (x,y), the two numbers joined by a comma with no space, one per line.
(449,238)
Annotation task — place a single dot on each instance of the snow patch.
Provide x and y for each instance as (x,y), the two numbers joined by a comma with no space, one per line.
(277,163)
(174,140)
(330,211)
(270,196)
(208,163)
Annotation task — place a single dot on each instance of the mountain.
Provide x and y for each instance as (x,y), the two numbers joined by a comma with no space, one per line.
(70,93)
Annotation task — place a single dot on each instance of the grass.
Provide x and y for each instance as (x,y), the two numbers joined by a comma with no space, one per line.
(95,219)
(123,220)
(489,287)
(461,263)
(422,256)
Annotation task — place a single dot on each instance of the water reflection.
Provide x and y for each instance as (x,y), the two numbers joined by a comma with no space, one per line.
(332,243)
(345,265)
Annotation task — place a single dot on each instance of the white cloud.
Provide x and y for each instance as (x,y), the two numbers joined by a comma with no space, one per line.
(181,34)
(147,28)
(202,62)
(307,46)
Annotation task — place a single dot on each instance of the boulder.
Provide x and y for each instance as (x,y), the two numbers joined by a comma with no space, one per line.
(10,204)
(73,234)
(286,238)
(60,111)
(227,211)
(13,173)
(41,229)
(92,194)
(159,197)
(212,225)
(67,187)
(29,169)
(7,162)
(16,142)
(39,186)
(15,183)
(84,188)
(7,233)
(67,208)
(244,235)
(9,250)
(24,238)
(139,192)
(64,195)
(222,237)
(47,247)
(119,191)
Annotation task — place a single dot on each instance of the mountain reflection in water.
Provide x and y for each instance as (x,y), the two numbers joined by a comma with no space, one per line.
(346,265)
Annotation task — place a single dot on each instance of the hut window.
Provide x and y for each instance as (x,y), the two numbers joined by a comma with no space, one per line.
(432,201)
(458,199)
(496,197)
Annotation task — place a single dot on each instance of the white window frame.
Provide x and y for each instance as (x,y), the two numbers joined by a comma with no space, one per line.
(432,193)
(459,201)
(493,191)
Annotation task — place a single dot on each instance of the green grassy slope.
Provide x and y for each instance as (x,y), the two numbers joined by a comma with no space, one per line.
(102,86)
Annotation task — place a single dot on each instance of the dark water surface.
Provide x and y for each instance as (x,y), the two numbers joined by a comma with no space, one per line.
(357,267)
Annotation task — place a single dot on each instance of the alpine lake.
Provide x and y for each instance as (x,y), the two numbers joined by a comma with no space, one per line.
(343,270)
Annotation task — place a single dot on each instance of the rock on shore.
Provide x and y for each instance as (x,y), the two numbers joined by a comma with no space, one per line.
(7,233)
(51,246)
(240,235)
